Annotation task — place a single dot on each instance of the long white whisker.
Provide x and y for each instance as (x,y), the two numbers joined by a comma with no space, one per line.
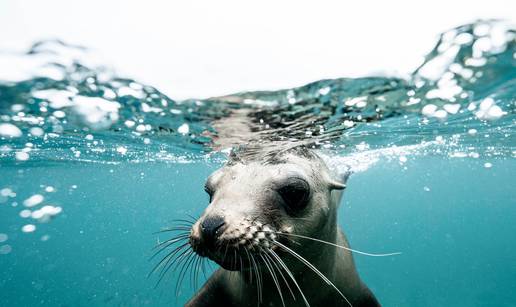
(261,280)
(274,278)
(250,263)
(184,269)
(281,273)
(284,266)
(313,268)
(258,281)
(340,246)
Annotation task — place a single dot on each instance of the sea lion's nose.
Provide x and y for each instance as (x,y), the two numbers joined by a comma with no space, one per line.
(210,227)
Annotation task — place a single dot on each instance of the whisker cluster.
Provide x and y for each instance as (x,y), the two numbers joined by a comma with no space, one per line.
(177,254)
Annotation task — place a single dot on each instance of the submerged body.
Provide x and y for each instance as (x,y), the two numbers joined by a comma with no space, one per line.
(265,214)
(228,288)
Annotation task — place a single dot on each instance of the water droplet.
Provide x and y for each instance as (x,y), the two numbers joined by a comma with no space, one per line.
(121,150)
(21,156)
(140,128)
(429,110)
(59,114)
(129,123)
(183,129)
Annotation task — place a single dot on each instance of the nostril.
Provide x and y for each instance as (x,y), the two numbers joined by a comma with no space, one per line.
(210,227)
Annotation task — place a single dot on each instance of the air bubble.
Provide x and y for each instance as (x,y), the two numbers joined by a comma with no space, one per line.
(3,237)
(21,156)
(10,130)
(29,228)
(34,200)
(50,189)
(5,249)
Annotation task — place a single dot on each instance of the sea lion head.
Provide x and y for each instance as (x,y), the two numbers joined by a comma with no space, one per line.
(256,196)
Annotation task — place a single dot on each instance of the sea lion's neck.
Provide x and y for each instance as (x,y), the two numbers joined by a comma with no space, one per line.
(327,259)
(317,253)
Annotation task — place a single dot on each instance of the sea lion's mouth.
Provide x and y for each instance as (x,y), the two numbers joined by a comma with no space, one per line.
(232,262)
(240,259)
(239,248)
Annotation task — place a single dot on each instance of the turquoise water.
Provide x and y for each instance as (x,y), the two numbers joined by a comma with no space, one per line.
(97,163)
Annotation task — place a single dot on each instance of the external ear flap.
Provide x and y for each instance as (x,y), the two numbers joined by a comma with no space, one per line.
(234,158)
(335,185)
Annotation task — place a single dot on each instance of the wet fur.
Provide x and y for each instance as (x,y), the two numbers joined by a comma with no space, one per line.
(319,220)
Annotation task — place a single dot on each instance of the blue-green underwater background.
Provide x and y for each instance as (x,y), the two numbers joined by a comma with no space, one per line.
(433,160)
(455,238)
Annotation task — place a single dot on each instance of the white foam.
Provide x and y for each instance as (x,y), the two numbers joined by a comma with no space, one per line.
(361,161)
(96,112)
(488,110)
(57,98)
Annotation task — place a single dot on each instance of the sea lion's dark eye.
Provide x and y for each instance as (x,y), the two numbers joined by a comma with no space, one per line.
(295,193)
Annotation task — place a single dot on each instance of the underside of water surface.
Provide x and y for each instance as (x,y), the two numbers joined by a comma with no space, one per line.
(92,164)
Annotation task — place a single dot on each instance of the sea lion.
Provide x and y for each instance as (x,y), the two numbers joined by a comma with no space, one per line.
(269,213)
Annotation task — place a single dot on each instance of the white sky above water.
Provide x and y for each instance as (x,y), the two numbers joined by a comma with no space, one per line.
(208,48)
